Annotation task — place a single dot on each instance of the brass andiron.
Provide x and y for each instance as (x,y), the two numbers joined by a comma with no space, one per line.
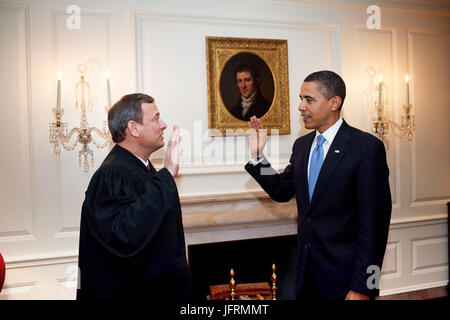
(245,291)
(232,285)
(258,290)
(273,278)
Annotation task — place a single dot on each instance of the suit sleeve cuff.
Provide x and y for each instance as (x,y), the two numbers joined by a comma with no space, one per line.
(254,161)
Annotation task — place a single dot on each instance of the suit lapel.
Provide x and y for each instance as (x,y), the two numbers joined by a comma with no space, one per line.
(335,154)
(303,167)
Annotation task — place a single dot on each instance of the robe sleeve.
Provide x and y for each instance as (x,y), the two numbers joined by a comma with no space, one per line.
(122,216)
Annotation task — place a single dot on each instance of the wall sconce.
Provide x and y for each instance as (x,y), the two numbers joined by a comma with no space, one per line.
(381,122)
(84,134)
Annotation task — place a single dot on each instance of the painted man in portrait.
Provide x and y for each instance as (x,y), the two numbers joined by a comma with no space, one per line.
(251,102)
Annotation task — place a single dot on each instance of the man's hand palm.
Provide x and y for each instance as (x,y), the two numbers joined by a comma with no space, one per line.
(258,137)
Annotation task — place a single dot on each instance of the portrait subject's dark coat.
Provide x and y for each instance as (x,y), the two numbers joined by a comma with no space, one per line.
(343,230)
(258,108)
(132,243)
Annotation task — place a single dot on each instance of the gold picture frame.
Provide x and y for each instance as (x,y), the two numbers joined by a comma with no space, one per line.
(223,58)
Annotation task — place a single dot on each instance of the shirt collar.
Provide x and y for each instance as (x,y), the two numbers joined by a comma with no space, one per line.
(250,99)
(331,132)
(145,162)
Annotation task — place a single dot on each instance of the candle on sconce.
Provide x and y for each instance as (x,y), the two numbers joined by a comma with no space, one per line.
(380,79)
(407,93)
(108,88)
(58,95)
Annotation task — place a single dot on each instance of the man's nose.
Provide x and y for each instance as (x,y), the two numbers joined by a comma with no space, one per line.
(163,125)
(301,106)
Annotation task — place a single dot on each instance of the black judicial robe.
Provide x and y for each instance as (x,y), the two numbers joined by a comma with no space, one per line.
(131,236)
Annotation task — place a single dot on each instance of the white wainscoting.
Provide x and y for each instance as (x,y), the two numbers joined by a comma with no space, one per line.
(416,258)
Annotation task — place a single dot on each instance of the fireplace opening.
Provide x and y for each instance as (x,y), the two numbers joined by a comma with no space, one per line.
(251,260)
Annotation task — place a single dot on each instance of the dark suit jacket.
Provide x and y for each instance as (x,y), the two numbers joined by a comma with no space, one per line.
(258,108)
(344,229)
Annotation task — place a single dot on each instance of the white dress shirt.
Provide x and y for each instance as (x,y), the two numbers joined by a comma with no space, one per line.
(246,103)
(145,162)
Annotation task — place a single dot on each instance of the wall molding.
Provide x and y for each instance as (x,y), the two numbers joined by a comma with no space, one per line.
(60,229)
(139,17)
(41,260)
(223,197)
(436,7)
(18,288)
(417,201)
(396,273)
(240,19)
(25,118)
(393,92)
(426,220)
(417,267)
(427,203)
(412,288)
(287,218)
(213,169)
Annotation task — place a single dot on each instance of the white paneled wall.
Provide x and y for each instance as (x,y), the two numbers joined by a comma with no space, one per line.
(17,221)
(416,257)
(158,47)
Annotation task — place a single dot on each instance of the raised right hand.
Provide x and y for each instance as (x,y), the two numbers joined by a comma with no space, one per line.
(258,137)
(172,160)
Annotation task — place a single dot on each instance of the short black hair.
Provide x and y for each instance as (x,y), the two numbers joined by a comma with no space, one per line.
(250,68)
(126,109)
(330,84)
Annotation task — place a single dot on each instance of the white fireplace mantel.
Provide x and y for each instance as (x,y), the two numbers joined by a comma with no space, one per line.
(231,217)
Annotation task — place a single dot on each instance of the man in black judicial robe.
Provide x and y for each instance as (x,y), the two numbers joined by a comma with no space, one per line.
(131,236)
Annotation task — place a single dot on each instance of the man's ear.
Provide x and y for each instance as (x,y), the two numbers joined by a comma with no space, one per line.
(134,128)
(336,103)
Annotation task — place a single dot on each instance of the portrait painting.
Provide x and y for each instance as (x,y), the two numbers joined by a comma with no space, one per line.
(246,86)
(247,77)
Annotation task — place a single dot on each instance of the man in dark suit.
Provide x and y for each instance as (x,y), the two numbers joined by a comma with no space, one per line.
(252,102)
(339,175)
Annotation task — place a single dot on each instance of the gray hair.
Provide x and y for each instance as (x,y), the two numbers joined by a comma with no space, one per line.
(126,109)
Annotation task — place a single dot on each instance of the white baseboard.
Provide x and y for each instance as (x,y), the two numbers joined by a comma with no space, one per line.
(413,288)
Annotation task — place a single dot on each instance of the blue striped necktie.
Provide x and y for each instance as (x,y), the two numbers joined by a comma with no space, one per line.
(315,165)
